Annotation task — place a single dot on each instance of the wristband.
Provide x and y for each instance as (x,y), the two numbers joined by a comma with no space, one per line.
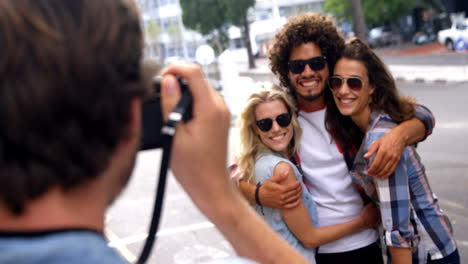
(257,197)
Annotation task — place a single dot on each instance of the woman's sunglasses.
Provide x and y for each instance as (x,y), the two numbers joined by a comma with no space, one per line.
(265,124)
(315,63)
(336,82)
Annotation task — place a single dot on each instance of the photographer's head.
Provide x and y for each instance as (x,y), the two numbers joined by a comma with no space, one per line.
(70,96)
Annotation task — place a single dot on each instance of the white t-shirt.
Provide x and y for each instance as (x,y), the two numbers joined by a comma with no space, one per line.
(327,178)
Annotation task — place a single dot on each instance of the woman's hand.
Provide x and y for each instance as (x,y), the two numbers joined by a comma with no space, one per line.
(370,216)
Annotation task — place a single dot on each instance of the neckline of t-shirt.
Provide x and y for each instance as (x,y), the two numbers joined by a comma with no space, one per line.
(304,109)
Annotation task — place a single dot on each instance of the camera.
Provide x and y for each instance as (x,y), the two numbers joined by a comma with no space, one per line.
(152,120)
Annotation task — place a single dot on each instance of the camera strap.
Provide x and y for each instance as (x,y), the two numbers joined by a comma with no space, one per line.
(182,111)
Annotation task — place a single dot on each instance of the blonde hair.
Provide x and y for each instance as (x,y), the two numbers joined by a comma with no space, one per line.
(250,143)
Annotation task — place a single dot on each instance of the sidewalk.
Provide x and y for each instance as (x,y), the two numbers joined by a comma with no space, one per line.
(401,72)
(423,73)
(406,49)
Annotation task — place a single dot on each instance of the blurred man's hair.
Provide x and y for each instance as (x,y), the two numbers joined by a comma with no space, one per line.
(68,71)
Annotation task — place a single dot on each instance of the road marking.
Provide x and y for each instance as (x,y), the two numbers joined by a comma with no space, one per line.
(453,125)
(463,243)
(187,228)
(124,251)
(452,204)
(122,242)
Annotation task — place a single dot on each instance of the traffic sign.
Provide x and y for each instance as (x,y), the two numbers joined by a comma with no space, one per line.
(460,44)
(204,55)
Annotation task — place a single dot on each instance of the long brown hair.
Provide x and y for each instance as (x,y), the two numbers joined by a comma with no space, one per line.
(385,97)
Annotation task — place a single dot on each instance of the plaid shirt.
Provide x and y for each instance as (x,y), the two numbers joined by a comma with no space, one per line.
(410,213)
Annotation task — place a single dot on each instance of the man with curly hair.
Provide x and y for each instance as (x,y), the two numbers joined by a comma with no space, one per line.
(302,56)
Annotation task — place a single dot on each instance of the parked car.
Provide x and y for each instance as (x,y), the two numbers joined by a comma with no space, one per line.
(382,36)
(426,35)
(450,36)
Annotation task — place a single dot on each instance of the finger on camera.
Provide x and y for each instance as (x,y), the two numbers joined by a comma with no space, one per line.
(170,94)
(193,75)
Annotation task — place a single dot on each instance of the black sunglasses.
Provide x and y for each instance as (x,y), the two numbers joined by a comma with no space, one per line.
(336,82)
(265,124)
(315,63)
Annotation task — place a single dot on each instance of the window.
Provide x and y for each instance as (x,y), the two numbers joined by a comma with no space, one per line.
(461,26)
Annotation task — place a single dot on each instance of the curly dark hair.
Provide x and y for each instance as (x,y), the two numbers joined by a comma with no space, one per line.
(301,29)
(68,71)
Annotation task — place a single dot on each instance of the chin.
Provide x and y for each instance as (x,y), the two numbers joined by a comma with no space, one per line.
(346,112)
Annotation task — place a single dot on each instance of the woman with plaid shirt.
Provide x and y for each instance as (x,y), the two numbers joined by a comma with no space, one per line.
(415,230)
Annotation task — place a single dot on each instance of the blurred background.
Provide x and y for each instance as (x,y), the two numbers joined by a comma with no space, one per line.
(174,29)
(423,42)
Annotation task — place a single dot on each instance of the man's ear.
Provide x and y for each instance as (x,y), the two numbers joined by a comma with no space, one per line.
(372,89)
(133,125)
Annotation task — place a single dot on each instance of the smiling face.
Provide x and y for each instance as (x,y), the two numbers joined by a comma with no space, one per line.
(353,102)
(309,85)
(277,138)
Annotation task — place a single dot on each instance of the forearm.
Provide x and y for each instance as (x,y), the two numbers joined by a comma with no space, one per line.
(400,255)
(298,221)
(395,207)
(326,234)
(248,191)
(412,131)
(245,230)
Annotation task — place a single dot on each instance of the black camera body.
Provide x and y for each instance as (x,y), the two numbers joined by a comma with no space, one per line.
(152,120)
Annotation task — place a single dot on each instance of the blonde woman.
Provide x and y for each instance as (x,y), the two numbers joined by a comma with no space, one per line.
(269,135)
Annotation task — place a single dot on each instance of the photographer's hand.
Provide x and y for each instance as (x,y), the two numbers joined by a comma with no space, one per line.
(200,145)
(199,163)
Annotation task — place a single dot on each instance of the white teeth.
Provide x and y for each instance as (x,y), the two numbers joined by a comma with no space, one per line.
(346,101)
(312,83)
(278,137)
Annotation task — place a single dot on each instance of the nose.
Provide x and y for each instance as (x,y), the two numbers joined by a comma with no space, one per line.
(308,71)
(344,89)
(275,127)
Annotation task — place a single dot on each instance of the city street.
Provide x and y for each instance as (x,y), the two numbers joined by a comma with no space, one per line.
(186,236)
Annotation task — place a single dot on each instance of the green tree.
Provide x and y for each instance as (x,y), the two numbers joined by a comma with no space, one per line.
(207,17)
(212,16)
(237,14)
(359,26)
(375,12)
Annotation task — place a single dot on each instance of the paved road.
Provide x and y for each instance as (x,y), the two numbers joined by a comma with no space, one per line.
(188,237)
(445,153)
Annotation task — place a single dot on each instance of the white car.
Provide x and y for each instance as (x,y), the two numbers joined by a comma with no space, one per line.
(450,36)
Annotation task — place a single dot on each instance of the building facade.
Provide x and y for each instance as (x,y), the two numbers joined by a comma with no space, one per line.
(267,17)
(166,38)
